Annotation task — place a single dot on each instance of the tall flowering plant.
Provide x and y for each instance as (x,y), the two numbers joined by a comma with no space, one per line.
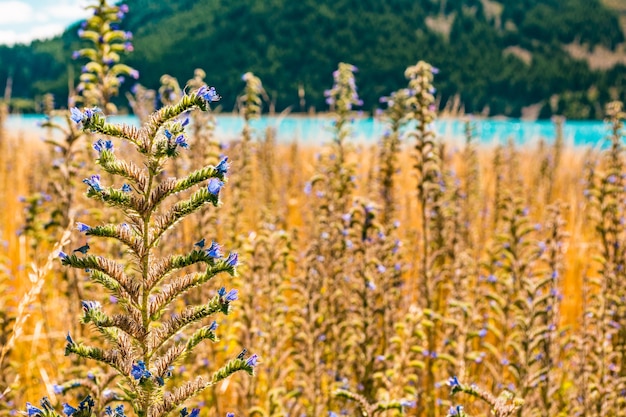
(103,74)
(148,330)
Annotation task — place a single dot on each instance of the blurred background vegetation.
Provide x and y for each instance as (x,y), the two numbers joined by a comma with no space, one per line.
(508,57)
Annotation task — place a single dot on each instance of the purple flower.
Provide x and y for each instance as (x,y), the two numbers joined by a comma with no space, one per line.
(455,411)
(76,115)
(90,305)
(134,74)
(68,409)
(214,251)
(182,141)
(139,371)
(126,188)
(93,182)
(252,360)
(101,145)
(222,167)
(89,113)
(128,35)
(232,259)
(214,186)
(195,412)
(230,414)
(75,54)
(454,382)
(124,8)
(82,227)
(32,410)
(213,326)
(227,296)
(208,94)
(62,255)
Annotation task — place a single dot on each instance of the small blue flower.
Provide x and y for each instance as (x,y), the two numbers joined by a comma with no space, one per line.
(200,244)
(232,259)
(68,409)
(215,251)
(222,167)
(230,414)
(407,403)
(213,326)
(63,255)
(101,145)
(33,411)
(126,188)
(87,402)
(195,412)
(139,371)
(89,113)
(182,141)
(208,93)
(93,182)
(454,382)
(184,412)
(91,305)
(228,297)
(168,134)
(58,389)
(252,360)
(82,227)
(118,412)
(215,186)
(455,411)
(76,115)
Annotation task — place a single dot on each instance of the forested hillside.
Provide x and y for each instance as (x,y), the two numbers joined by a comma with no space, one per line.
(498,56)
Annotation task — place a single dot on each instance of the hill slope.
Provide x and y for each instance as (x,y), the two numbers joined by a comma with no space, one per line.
(498,56)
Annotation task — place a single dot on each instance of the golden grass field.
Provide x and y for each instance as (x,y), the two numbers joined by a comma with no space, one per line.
(36,355)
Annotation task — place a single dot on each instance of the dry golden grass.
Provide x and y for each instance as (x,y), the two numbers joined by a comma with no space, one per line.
(37,353)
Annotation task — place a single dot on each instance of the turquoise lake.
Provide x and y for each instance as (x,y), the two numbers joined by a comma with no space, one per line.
(316,130)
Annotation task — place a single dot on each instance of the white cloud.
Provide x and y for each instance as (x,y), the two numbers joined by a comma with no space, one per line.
(68,11)
(10,37)
(22,21)
(14,11)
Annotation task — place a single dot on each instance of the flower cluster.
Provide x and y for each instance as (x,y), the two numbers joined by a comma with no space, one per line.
(146,344)
(103,74)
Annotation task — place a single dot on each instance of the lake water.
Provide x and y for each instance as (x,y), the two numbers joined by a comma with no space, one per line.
(315,130)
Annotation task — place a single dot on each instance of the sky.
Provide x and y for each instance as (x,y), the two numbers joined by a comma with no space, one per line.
(22,21)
